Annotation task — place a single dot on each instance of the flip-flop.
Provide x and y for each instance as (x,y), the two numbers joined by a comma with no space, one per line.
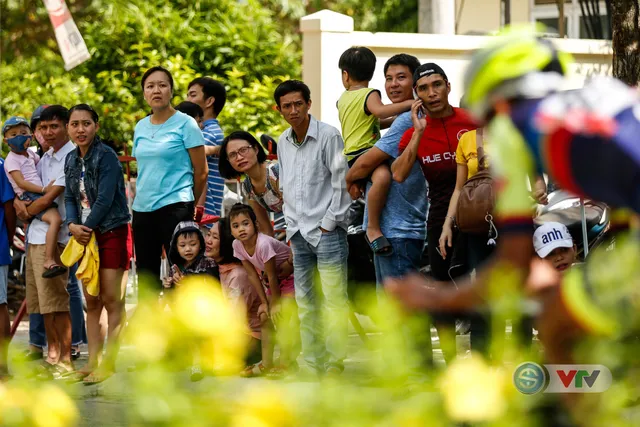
(95,378)
(251,371)
(76,377)
(380,246)
(54,271)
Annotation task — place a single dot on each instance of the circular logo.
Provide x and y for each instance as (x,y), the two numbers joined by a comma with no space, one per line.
(460,133)
(529,378)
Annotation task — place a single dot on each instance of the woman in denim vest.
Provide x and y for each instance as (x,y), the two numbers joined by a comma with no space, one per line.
(96,203)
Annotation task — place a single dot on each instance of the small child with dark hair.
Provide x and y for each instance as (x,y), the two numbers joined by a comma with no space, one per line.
(193,110)
(187,257)
(260,254)
(360,109)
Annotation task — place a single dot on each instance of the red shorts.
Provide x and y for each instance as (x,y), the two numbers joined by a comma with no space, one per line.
(114,248)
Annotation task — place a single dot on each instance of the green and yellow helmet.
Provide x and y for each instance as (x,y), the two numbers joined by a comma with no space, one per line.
(515,53)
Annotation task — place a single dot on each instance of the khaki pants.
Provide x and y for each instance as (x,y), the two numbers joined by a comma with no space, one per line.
(44,296)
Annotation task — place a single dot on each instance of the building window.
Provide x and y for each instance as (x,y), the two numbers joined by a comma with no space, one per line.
(576,25)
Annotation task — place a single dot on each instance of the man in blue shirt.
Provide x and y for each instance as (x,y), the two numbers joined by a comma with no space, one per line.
(211,96)
(404,215)
(7,230)
(403,219)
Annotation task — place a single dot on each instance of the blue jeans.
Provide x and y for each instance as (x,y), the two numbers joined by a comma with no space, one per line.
(37,337)
(323,324)
(404,260)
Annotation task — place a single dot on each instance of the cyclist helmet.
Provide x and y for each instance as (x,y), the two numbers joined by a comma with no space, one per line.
(518,64)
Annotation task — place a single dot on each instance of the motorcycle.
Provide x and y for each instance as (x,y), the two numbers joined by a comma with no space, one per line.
(588,229)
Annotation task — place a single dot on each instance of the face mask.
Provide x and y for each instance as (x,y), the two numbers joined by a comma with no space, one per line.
(18,143)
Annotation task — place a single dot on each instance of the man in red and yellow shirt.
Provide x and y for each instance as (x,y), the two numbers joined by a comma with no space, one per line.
(433,142)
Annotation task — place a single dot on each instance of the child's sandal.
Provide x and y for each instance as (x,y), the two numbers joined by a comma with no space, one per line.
(253,371)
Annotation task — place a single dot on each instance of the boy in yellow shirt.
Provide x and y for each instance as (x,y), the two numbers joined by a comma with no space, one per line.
(360,109)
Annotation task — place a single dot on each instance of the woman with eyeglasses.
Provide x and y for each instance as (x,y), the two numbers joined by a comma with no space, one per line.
(242,155)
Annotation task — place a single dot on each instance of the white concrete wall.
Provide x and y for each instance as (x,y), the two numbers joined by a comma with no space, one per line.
(327,34)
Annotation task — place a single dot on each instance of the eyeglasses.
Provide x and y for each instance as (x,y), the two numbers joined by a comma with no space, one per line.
(241,152)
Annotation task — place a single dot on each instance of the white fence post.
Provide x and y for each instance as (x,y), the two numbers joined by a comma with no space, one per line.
(326,34)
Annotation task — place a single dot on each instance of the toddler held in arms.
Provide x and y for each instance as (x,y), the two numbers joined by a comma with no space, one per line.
(21,170)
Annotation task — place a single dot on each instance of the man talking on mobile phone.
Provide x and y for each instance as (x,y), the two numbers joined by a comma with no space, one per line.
(433,141)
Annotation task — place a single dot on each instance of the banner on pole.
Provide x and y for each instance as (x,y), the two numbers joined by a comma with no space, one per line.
(72,47)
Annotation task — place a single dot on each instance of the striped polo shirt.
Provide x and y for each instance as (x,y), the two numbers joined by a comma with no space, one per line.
(215,183)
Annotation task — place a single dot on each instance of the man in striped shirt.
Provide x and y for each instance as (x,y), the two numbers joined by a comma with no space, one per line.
(211,96)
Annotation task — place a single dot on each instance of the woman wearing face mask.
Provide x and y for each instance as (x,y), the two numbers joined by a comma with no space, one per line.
(172,172)
(96,204)
(238,289)
(242,155)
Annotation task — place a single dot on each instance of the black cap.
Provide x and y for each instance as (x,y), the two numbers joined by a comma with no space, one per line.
(35,117)
(425,70)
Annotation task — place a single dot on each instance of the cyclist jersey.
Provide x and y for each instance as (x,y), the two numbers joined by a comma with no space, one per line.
(437,158)
(588,142)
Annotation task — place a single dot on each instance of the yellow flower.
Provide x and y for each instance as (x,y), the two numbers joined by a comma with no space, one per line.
(201,308)
(473,391)
(53,408)
(150,332)
(264,405)
(14,405)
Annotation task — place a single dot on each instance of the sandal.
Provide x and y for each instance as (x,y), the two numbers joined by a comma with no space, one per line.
(76,376)
(251,371)
(75,354)
(96,377)
(54,271)
(55,372)
(380,246)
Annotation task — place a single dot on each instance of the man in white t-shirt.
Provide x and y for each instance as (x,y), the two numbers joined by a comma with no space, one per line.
(49,297)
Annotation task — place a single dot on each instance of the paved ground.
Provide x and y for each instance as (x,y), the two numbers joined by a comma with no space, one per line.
(104,404)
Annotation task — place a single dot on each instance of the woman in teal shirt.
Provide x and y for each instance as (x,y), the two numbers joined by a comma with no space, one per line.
(172,172)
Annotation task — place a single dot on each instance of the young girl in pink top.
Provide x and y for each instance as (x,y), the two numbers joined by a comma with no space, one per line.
(263,255)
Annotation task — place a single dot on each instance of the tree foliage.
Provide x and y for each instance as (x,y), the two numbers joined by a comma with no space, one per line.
(239,43)
(369,15)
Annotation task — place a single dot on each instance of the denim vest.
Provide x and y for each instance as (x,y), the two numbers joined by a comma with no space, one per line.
(104,187)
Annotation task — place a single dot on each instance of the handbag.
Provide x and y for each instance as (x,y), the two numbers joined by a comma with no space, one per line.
(477,197)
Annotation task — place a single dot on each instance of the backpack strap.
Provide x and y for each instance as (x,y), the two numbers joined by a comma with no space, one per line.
(480,150)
